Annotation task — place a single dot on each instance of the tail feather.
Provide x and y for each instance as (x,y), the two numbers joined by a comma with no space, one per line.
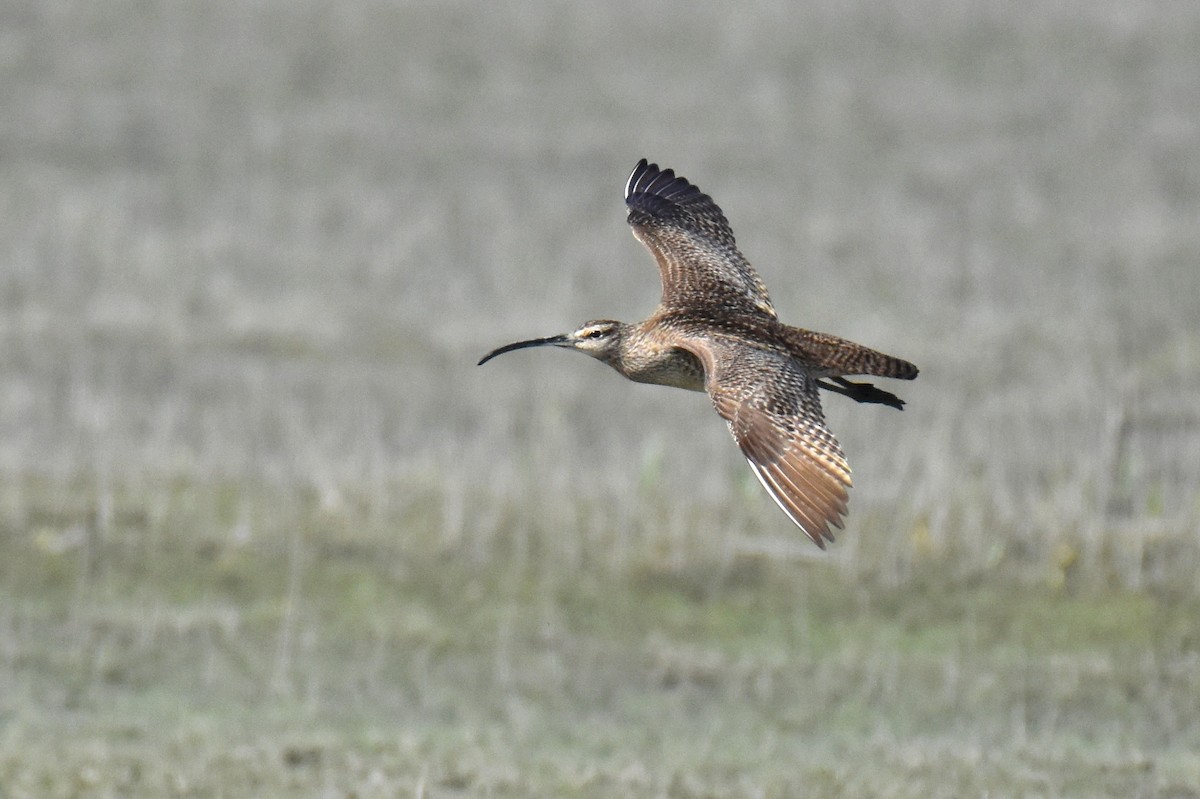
(872,362)
(847,358)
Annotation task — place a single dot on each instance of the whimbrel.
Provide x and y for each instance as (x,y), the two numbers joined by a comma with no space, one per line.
(715,330)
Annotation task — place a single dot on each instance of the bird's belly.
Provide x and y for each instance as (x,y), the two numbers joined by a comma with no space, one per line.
(675,368)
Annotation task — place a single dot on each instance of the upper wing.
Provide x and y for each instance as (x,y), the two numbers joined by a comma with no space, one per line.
(771,405)
(698,259)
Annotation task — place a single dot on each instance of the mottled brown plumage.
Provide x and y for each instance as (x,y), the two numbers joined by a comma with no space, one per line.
(715,330)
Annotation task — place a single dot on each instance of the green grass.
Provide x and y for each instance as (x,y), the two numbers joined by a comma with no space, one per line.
(265,529)
(148,654)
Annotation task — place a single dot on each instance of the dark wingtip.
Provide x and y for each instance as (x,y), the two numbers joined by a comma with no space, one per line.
(643,168)
(863,392)
(650,180)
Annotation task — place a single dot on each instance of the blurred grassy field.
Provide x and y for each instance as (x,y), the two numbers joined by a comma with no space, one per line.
(266,530)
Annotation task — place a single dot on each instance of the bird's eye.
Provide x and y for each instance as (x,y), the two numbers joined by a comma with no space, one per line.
(595,332)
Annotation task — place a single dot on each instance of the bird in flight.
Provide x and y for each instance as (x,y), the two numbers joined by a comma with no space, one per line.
(715,330)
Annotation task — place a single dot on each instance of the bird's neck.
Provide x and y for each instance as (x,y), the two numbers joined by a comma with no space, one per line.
(643,358)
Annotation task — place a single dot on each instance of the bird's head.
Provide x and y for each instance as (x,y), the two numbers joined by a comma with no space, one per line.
(600,339)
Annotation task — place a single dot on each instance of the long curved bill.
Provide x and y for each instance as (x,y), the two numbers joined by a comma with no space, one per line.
(552,341)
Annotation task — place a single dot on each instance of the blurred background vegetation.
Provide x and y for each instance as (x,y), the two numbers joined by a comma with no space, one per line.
(265,529)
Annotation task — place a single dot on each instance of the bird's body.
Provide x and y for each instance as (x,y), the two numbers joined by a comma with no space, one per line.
(715,330)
